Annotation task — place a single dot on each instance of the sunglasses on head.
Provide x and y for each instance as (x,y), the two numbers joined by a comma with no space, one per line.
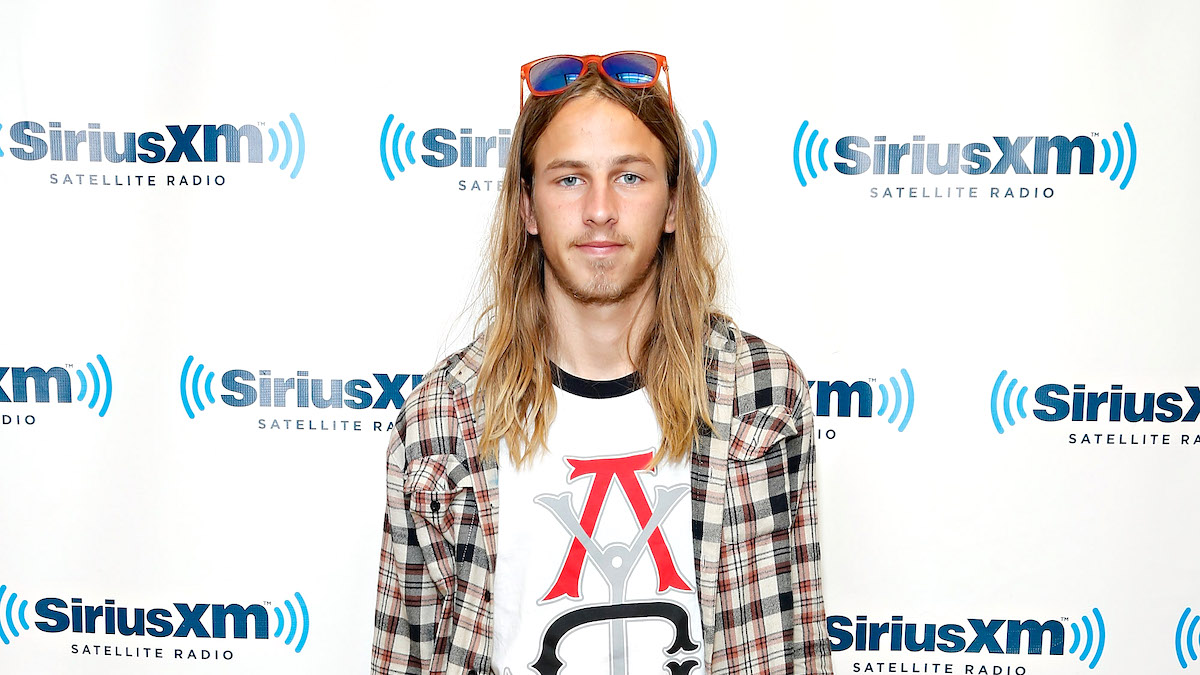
(552,74)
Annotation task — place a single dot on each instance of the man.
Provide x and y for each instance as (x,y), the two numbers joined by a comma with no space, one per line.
(539,481)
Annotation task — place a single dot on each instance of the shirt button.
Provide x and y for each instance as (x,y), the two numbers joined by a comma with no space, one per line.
(435,506)
(471,672)
(487,596)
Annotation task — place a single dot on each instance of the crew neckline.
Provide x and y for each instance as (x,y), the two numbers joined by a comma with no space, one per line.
(573,384)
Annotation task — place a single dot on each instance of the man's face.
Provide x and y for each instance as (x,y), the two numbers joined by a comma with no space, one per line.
(600,201)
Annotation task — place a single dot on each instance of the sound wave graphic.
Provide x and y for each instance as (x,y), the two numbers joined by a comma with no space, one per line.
(1181,642)
(98,384)
(287,145)
(293,622)
(900,401)
(808,154)
(1094,638)
(195,387)
(1007,407)
(395,147)
(698,149)
(8,608)
(1120,161)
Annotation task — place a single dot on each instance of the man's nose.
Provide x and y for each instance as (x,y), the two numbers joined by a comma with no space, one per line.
(600,205)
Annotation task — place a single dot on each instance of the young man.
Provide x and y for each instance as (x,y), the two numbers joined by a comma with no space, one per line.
(612,478)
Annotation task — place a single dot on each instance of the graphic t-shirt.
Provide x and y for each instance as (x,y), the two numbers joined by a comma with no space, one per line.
(595,570)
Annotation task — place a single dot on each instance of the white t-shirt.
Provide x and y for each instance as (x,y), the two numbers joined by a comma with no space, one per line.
(595,570)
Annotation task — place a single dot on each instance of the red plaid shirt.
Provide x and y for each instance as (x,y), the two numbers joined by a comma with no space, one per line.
(754,517)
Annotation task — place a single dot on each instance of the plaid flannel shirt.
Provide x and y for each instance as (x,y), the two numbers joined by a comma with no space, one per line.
(754,521)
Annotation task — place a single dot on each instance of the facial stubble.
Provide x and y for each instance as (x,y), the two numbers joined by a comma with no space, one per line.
(600,288)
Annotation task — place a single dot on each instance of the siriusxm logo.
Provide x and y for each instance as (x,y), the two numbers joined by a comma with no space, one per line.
(445,148)
(244,389)
(995,636)
(1003,154)
(1186,642)
(22,379)
(1078,403)
(702,152)
(206,143)
(858,399)
(183,620)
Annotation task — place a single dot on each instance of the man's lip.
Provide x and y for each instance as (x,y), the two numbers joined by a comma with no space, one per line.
(600,244)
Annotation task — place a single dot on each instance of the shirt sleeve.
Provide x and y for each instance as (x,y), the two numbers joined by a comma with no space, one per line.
(405,621)
(811,634)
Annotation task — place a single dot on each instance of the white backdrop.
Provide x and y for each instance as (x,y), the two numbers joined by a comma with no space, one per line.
(324,269)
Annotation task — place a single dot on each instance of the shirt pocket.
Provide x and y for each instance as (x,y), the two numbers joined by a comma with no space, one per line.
(436,487)
(755,432)
(757,501)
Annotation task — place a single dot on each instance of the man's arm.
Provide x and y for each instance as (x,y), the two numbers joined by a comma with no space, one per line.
(811,633)
(404,622)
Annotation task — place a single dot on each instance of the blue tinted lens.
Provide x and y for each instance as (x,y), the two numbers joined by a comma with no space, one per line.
(630,68)
(554,74)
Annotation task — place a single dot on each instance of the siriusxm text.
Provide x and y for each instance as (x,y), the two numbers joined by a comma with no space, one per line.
(465,149)
(996,636)
(1003,156)
(847,393)
(304,391)
(201,620)
(21,379)
(1078,404)
(179,143)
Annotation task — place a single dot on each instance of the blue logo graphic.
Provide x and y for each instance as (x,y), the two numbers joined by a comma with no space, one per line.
(244,388)
(1182,642)
(202,143)
(195,387)
(293,622)
(287,145)
(1,149)
(698,149)
(904,402)
(6,619)
(1007,406)
(899,401)
(1097,642)
(395,147)
(46,385)
(97,385)
(442,148)
(808,153)
(1057,402)
(1022,155)
(973,636)
(203,620)
(1116,171)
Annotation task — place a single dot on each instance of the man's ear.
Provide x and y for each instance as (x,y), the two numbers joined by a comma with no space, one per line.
(527,216)
(669,223)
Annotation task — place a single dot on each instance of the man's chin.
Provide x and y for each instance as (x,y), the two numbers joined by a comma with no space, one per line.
(600,293)
(601,288)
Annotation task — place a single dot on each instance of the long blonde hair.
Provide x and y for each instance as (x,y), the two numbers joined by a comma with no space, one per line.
(515,382)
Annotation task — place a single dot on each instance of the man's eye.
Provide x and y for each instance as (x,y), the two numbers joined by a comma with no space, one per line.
(569,181)
(630,178)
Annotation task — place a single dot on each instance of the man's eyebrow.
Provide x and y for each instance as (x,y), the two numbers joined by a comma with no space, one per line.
(566,164)
(638,158)
(620,160)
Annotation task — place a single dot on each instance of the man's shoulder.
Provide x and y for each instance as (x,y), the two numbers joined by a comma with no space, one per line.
(764,374)
(456,371)
(429,409)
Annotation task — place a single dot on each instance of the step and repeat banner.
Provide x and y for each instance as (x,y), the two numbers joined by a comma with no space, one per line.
(235,235)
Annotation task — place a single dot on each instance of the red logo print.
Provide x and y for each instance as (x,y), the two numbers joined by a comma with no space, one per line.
(603,471)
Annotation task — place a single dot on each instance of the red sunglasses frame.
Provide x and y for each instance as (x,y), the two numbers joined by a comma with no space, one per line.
(659,59)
